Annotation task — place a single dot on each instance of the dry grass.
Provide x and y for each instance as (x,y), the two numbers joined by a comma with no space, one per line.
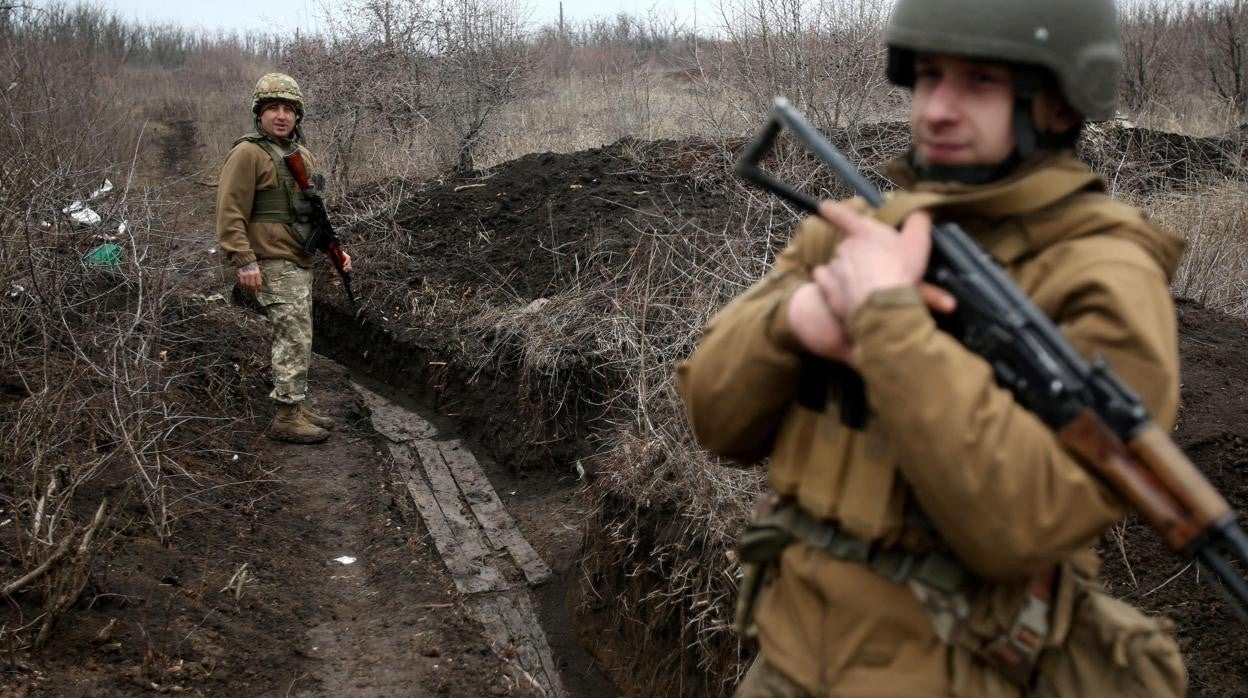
(1214,268)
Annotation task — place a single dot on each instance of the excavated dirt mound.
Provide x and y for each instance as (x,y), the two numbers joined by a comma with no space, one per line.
(535,224)
(540,224)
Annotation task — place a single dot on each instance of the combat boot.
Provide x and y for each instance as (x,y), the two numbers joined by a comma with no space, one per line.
(290,426)
(311,417)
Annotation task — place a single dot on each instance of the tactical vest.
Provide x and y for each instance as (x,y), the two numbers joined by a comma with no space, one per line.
(284,203)
(849,475)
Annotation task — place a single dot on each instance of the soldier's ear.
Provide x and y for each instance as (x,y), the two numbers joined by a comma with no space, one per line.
(1053,114)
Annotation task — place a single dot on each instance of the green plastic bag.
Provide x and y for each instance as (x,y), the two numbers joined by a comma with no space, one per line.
(106,258)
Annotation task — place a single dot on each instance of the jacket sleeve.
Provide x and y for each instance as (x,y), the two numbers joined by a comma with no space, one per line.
(236,191)
(740,381)
(993,478)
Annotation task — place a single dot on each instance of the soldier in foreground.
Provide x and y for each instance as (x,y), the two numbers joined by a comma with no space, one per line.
(945,547)
(262,223)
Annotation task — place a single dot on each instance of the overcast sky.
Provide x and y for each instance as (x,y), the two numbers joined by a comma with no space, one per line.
(287,15)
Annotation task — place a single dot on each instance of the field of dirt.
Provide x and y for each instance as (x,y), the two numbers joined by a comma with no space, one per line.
(251,600)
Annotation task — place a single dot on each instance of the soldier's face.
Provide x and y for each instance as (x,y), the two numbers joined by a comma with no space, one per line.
(278,119)
(962,111)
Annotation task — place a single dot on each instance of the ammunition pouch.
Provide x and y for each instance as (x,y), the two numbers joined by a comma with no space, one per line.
(1112,649)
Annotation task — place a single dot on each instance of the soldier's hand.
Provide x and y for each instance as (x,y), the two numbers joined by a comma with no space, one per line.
(346,262)
(249,277)
(814,321)
(873,257)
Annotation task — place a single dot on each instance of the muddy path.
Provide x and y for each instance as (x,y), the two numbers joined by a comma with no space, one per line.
(319,579)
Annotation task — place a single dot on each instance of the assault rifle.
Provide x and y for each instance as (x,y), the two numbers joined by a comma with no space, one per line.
(1094,414)
(322,238)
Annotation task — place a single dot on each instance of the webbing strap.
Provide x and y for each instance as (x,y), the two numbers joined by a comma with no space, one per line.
(941,583)
(765,539)
(1016,653)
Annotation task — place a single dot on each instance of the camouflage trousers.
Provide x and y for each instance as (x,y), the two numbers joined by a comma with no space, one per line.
(286,297)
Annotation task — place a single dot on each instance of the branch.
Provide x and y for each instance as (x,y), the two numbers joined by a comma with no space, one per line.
(19,584)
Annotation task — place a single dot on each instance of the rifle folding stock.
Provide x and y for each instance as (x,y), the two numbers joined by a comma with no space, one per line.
(1093,413)
(322,238)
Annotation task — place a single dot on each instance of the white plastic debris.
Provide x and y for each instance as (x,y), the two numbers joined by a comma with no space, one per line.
(121,229)
(104,189)
(79,213)
(345,559)
(16,290)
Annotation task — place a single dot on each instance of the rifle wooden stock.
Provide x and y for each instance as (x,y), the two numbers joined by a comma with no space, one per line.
(298,168)
(1153,476)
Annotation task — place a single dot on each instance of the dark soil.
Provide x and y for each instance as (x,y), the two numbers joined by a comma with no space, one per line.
(1213,431)
(173,619)
(538,223)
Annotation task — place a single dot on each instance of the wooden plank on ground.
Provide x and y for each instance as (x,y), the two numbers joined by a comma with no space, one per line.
(394,421)
(470,577)
(510,621)
(490,512)
(463,525)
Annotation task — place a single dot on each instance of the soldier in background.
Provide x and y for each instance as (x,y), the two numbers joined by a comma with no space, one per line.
(945,548)
(262,222)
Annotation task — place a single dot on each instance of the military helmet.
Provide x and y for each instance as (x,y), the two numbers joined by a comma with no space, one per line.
(273,86)
(1078,41)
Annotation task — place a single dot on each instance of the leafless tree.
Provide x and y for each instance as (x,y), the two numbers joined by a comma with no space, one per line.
(427,74)
(825,57)
(1228,50)
(1148,42)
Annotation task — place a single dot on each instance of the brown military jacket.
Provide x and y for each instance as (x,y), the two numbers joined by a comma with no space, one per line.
(249,168)
(943,438)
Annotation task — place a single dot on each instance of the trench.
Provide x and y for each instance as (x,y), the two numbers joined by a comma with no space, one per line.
(537,484)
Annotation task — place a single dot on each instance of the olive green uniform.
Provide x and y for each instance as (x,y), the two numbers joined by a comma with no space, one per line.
(949,463)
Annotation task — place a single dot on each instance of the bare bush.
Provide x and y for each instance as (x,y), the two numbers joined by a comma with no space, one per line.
(827,58)
(1147,51)
(1227,46)
(425,79)
(93,358)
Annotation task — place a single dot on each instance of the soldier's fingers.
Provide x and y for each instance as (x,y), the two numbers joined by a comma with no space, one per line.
(830,288)
(937,298)
(842,216)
